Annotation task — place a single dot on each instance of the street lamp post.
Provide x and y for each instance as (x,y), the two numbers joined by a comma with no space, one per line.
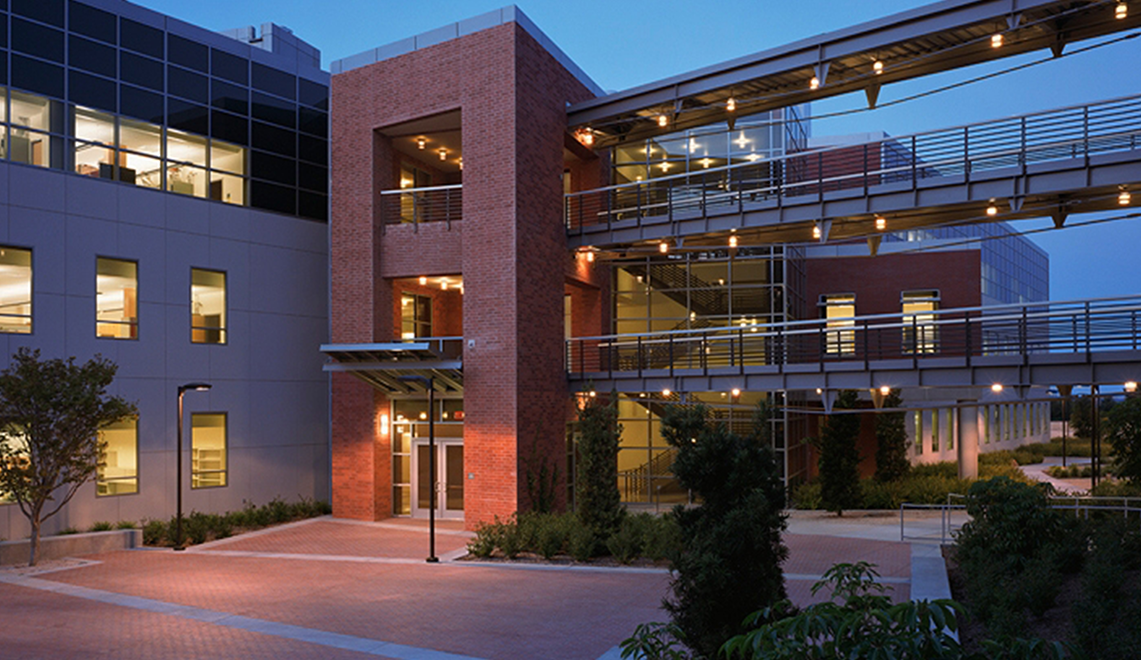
(429,382)
(179,543)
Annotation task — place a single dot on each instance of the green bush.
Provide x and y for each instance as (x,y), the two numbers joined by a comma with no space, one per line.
(626,544)
(806,496)
(582,543)
(126,524)
(102,526)
(549,532)
(155,533)
(487,539)
(67,531)
(662,538)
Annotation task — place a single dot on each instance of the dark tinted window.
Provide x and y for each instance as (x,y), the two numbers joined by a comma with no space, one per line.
(314,122)
(274,110)
(230,97)
(313,94)
(272,197)
(3,32)
(3,68)
(274,168)
(48,11)
(91,91)
(188,117)
(140,38)
(141,70)
(188,53)
(91,56)
(313,177)
(271,138)
(313,206)
(92,22)
(231,67)
(37,40)
(186,84)
(37,76)
(313,149)
(274,81)
(230,128)
(138,103)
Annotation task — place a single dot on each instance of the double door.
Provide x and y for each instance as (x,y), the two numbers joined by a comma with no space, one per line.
(449,496)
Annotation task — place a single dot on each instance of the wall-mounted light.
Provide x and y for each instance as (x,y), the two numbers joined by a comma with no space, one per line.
(732,241)
(663,247)
(731,105)
(1131,386)
(992,209)
(816,232)
(881,223)
(423,415)
(589,256)
(443,285)
(885,390)
(814,83)
(460,162)
(736,392)
(1120,11)
(586,137)
(663,121)
(421,143)
(996,388)
(593,394)
(666,392)
(996,41)
(877,66)
(423,281)
(384,425)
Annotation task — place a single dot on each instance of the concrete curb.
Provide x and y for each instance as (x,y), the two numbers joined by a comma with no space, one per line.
(71,545)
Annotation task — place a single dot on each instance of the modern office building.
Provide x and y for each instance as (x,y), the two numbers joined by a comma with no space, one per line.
(164,194)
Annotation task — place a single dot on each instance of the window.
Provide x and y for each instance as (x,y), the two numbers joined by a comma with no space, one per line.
(207,306)
(920,334)
(30,115)
(15,290)
(13,441)
(119,472)
(839,313)
(917,421)
(207,450)
(411,204)
(116,299)
(415,316)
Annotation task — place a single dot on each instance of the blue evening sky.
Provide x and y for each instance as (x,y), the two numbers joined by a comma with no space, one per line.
(625,44)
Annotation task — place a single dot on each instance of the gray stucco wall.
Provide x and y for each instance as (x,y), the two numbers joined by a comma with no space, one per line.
(267,377)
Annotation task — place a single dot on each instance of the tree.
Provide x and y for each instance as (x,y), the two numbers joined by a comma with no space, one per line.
(51,412)
(1081,421)
(839,460)
(730,561)
(597,500)
(891,442)
(1123,428)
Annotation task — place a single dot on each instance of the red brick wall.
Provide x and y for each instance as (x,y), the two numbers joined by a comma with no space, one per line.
(512,97)
(447,307)
(878,281)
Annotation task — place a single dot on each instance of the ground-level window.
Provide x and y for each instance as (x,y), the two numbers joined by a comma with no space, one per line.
(15,447)
(839,312)
(116,299)
(415,316)
(208,450)
(119,470)
(207,306)
(16,292)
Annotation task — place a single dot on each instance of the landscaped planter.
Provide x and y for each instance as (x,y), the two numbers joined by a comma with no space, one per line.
(70,545)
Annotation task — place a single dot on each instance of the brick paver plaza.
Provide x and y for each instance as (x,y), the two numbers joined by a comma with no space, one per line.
(338,589)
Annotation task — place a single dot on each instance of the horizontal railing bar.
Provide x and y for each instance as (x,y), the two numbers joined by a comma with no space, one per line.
(425,189)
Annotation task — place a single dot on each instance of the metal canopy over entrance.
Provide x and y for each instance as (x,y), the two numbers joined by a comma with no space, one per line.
(381,365)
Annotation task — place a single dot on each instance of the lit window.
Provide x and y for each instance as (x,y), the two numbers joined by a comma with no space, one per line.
(15,290)
(227,166)
(839,313)
(13,443)
(119,470)
(207,450)
(94,143)
(415,316)
(920,334)
(186,164)
(207,306)
(116,299)
(139,161)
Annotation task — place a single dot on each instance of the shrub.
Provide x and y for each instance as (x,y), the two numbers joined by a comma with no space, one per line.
(806,496)
(891,442)
(67,531)
(155,533)
(550,532)
(102,526)
(487,539)
(1105,614)
(582,543)
(126,524)
(839,461)
(1123,430)
(511,539)
(662,538)
(626,544)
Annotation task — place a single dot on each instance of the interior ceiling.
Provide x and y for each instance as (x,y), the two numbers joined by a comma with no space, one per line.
(440,131)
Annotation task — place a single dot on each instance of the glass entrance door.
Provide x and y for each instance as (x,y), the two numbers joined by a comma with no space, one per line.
(449,496)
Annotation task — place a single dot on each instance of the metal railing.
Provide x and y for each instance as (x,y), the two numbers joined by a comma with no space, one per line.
(417,205)
(1065,133)
(1082,326)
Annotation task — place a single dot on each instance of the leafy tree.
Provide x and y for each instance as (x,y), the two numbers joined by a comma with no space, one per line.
(891,442)
(1123,429)
(51,412)
(1081,421)
(732,551)
(839,460)
(597,500)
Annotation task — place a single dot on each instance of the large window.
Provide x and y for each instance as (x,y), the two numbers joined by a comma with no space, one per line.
(119,471)
(920,334)
(15,290)
(415,316)
(207,450)
(116,299)
(839,313)
(207,306)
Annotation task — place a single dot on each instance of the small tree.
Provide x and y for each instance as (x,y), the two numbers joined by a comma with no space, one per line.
(891,442)
(1124,431)
(839,460)
(1081,420)
(730,562)
(51,412)
(597,500)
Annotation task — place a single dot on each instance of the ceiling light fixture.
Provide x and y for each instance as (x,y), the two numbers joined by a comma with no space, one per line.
(881,223)
(996,41)
(421,142)
(996,388)
(992,210)
(1131,386)
(731,105)
(443,154)
(735,393)
(1120,11)
(877,66)
(587,137)
(1124,198)
(663,247)
(666,392)
(885,390)
(663,121)
(814,83)
(816,232)
(732,241)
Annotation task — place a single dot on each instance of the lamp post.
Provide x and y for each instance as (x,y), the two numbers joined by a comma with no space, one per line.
(429,383)
(179,543)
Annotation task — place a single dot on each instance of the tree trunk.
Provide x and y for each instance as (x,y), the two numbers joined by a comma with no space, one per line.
(35,541)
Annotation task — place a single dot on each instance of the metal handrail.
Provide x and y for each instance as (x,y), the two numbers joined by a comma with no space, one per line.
(421,205)
(423,189)
(1067,132)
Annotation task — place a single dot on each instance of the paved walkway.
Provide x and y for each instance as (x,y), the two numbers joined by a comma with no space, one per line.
(1037,472)
(343,589)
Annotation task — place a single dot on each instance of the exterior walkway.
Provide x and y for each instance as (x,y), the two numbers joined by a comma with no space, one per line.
(342,589)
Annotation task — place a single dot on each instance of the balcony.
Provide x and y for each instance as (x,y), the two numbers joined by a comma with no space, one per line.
(419,205)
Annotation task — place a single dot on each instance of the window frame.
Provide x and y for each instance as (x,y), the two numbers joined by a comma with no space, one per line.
(31,292)
(225,470)
(224,337)
(133,326)
(919,329)
(101,481)
(840,332)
